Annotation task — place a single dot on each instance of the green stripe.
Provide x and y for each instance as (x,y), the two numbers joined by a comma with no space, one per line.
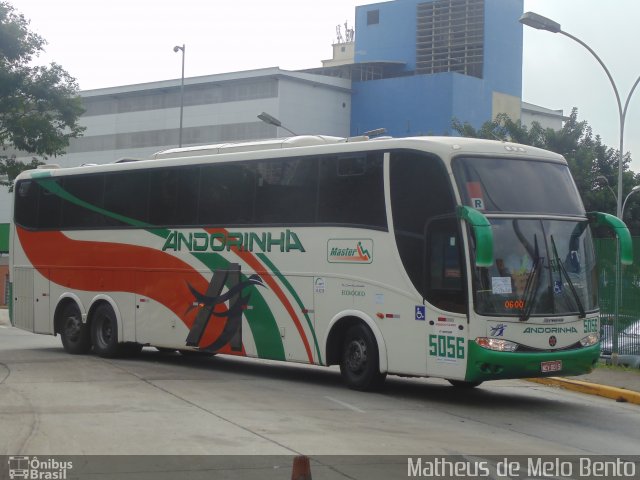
(51,185)
(264,328)
(294,294)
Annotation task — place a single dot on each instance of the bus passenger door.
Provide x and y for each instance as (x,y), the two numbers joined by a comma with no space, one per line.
(446,309)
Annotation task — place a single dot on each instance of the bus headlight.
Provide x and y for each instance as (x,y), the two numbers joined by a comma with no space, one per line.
(590,339)
(496,344)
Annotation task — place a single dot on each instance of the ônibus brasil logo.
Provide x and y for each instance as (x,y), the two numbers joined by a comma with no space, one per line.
(344,250)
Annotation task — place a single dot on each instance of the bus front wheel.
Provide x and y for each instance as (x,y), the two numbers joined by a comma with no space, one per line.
(74,334)
(360,361)
(104,332)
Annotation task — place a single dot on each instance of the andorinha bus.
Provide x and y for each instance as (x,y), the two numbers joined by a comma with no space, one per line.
(464,259)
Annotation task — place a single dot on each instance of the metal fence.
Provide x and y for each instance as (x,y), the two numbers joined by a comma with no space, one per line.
(627,327)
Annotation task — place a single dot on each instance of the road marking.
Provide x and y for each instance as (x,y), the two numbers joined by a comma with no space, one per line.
(346,405)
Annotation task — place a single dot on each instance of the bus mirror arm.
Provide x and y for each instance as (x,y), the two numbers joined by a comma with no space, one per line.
(482,231)
(600,219)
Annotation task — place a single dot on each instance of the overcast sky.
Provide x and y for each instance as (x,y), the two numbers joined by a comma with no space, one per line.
(121,42)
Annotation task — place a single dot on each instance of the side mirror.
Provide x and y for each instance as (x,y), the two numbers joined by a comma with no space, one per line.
(620,229)
(482,231)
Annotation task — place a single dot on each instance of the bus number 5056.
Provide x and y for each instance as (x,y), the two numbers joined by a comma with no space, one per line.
(446,346)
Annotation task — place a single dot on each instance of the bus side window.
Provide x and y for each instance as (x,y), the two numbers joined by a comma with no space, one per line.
(445,286)
(26,203)
(351,190)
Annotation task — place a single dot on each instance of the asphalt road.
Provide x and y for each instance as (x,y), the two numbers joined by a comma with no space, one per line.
(53,403)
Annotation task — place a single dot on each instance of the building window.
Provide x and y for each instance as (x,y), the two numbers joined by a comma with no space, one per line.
(450,37)
(373,17)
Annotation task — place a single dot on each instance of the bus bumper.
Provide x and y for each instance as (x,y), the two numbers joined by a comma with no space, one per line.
(483,364)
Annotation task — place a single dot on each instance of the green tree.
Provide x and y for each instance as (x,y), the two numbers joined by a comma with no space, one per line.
(39,105)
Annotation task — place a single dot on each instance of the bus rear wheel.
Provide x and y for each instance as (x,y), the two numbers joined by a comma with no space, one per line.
(104,332)
(360,360)
(74,334)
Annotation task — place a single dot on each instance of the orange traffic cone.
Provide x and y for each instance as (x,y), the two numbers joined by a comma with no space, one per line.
(301,468)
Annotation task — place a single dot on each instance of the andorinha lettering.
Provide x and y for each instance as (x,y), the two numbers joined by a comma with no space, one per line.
(550,330)
(286,241)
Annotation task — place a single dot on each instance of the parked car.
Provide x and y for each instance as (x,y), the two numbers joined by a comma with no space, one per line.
(628,344)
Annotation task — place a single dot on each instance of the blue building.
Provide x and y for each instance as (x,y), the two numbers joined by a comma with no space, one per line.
(417,64)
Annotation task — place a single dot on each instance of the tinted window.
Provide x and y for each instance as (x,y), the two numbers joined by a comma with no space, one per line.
(286,191)
(49,206)
(351,190)
(126,194)
(26,203)
(523,186)
(86,189)
(226,195)
(420,191)
(173,196)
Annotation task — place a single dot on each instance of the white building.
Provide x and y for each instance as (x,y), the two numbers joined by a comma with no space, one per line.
(135,121)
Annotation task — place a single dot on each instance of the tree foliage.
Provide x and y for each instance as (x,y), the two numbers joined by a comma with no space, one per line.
(39,105)
(590,161)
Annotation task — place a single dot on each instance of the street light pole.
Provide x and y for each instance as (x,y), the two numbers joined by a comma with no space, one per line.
(176,49)
(271,120)
(603,179)
(539,22)
(633,190)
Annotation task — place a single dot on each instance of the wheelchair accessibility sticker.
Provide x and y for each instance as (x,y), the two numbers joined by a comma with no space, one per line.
(420,312)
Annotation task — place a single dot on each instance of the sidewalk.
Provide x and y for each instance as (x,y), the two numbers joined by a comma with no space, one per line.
(620,385)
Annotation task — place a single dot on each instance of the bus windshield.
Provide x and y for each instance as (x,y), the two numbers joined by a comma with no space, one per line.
(513,185)
(541,267)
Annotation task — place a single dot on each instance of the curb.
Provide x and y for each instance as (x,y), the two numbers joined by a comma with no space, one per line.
(617,394)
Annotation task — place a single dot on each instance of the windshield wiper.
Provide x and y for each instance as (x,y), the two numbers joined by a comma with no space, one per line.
(562,271)
(531,287)
(530,290)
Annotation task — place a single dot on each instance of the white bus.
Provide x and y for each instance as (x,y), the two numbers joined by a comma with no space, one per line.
(463,259)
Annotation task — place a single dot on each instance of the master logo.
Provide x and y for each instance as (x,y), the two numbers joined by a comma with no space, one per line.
(345,250)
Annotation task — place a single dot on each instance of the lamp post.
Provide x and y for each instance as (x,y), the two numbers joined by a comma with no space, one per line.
(176,49)
(603,179)
(633,190)
(539,22)
(271,120)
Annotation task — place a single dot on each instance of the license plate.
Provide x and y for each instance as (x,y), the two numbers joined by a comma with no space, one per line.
(552,366)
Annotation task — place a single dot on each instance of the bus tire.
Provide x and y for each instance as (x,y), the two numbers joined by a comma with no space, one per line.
(463,383)
(359,363)
(75,335)
(104,332)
